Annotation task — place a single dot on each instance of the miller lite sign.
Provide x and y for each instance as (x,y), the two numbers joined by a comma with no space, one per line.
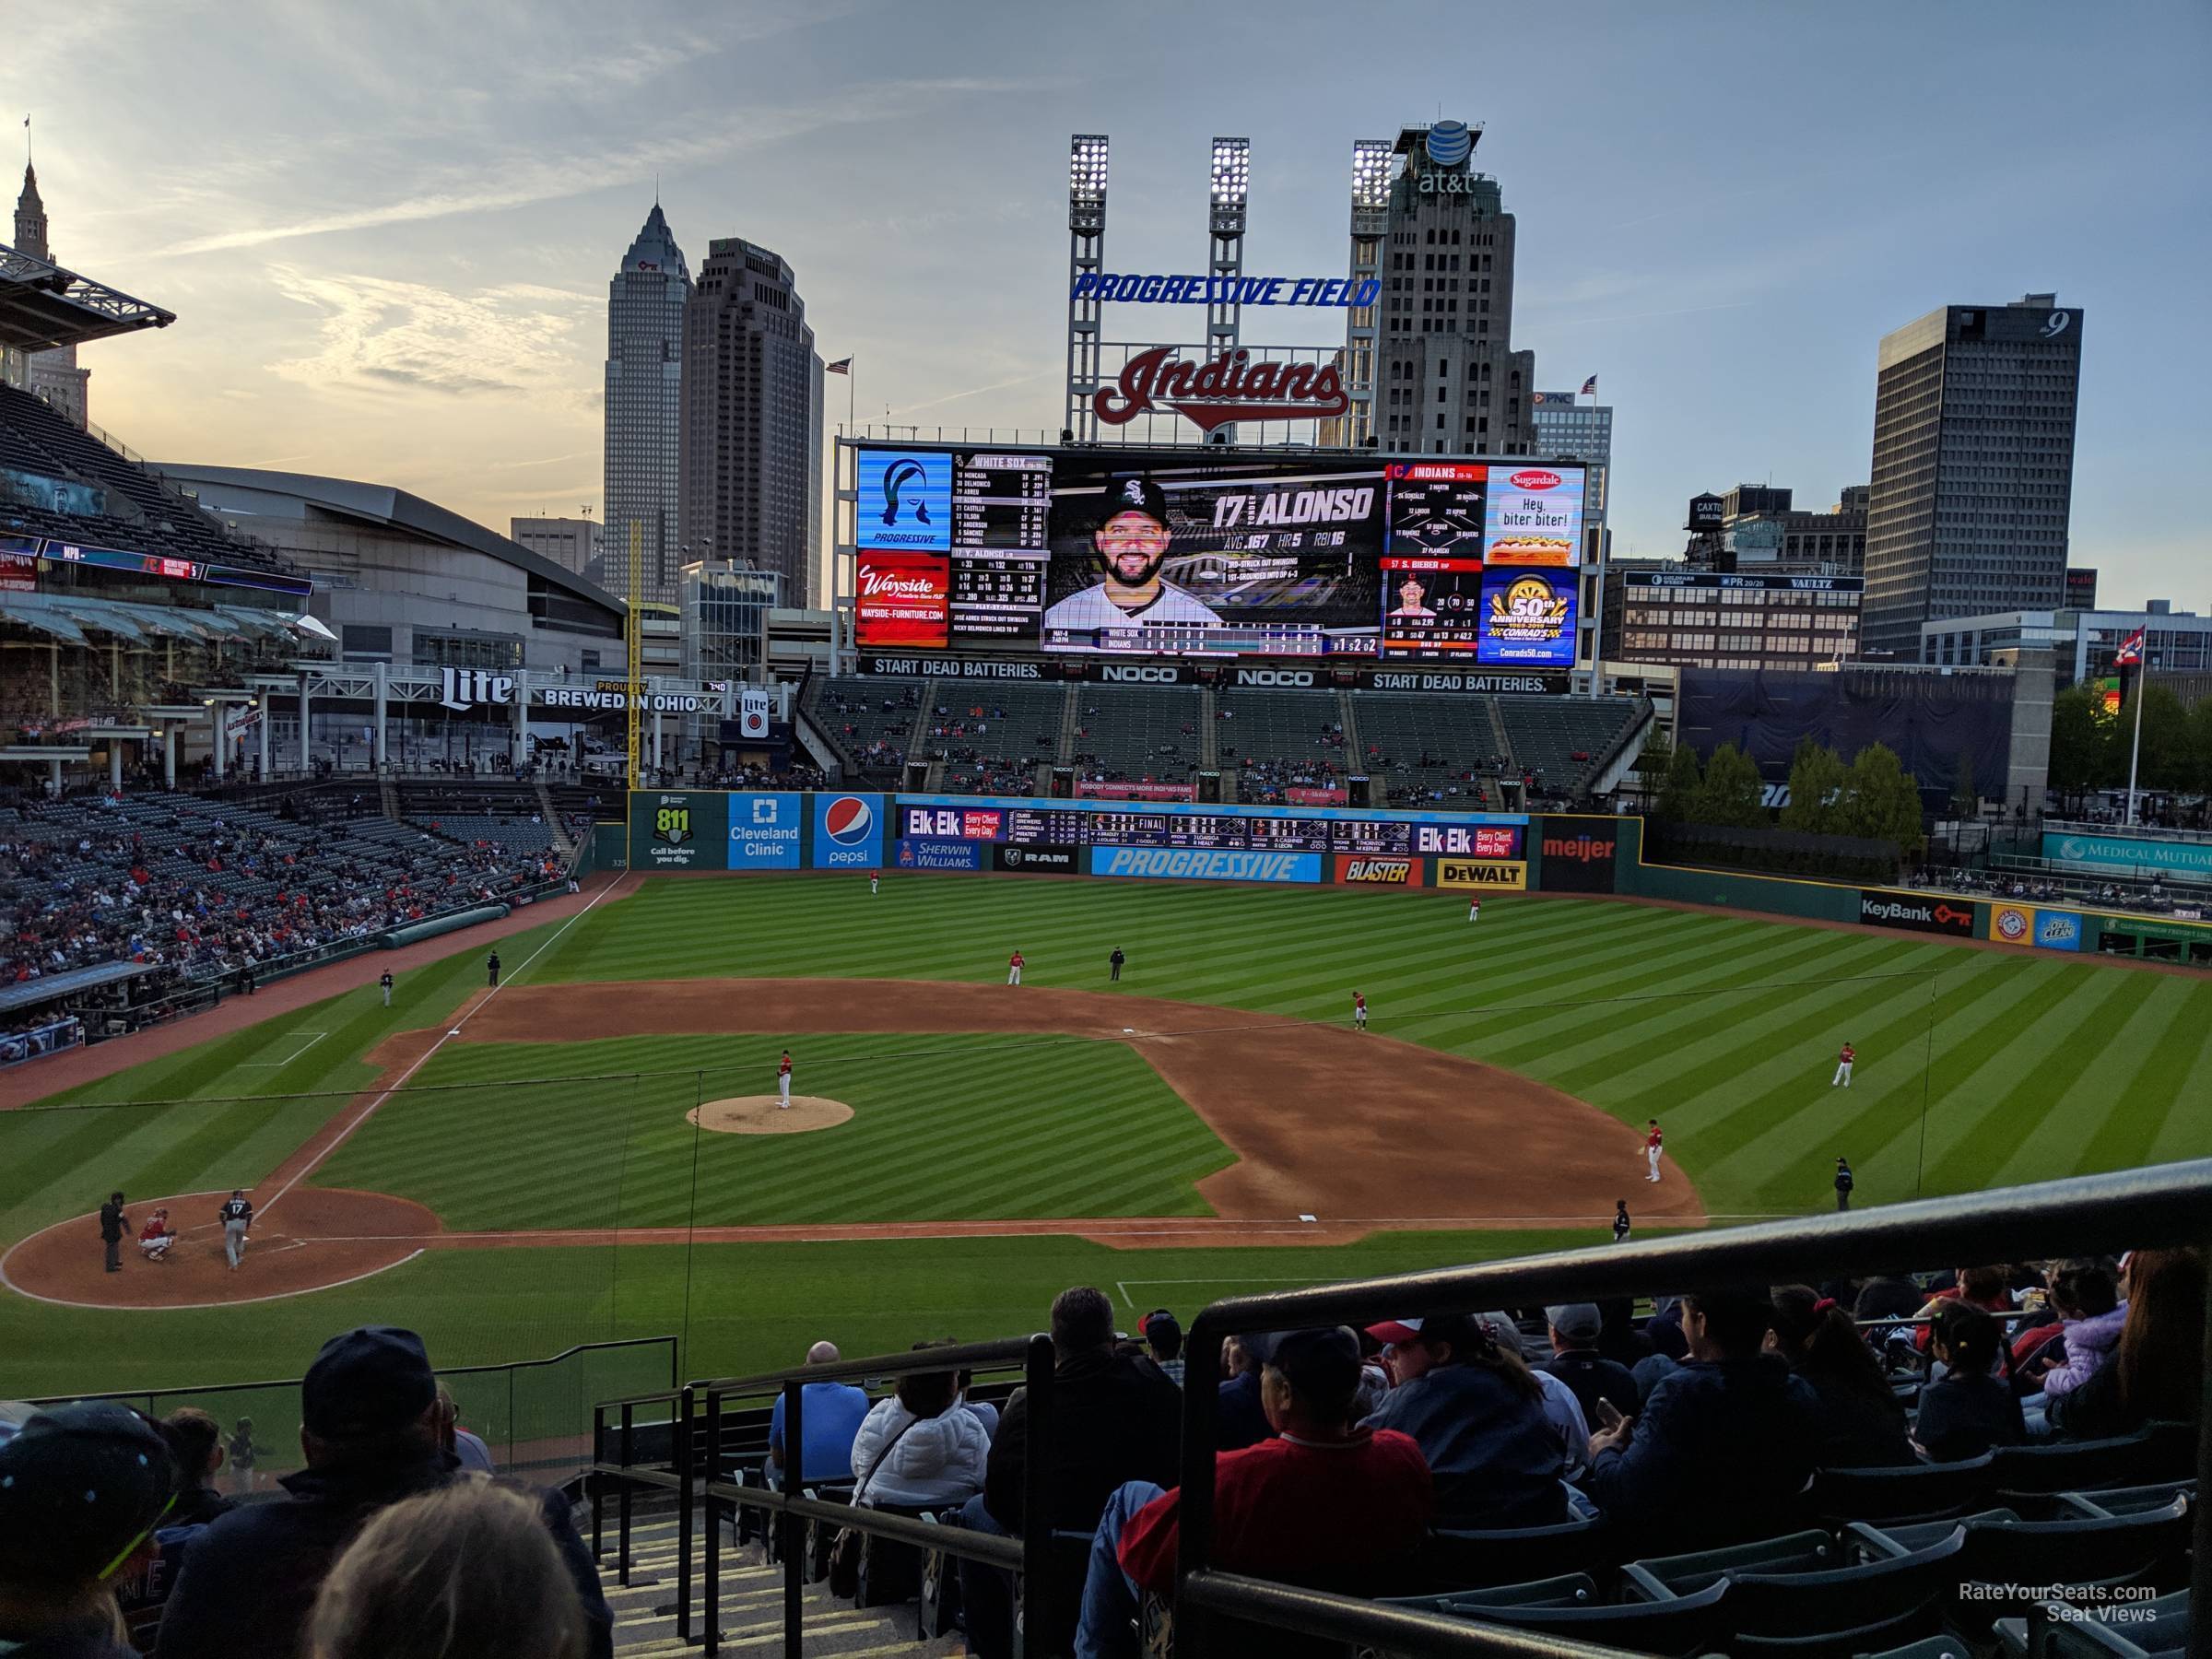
(1225,388)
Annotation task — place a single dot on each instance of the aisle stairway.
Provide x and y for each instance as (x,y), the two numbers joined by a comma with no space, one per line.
(752,1603)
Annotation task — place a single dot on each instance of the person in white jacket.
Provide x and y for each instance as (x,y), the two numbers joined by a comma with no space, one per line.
(924,1450)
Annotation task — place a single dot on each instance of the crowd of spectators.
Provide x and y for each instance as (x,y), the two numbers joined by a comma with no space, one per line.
(2185,901)
(201,890)
(1697,1425)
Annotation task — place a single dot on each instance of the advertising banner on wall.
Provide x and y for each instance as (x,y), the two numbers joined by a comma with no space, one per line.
(1306,794)
(1134,792)
(1502,875)
(1528,618)
(927,853)
(904,501)
(764,832)
(848,831)
(2119,852)
(1578,859)
(1196,864)
(678,832)
(1468,840)
(2057,930)
(1916,912)
(1038,861)
(2012,924)
(1377,871)
(904,599)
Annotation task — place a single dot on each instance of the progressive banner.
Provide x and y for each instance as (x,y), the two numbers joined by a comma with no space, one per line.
(1198,863)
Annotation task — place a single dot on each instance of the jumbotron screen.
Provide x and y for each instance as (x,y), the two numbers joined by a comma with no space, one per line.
(1182,553)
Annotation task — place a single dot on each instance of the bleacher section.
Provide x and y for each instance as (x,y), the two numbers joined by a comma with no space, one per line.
(869,720)
(1136,734)
(143,514)
(475,815)
(1561,742)
(992,737)
(1274,740)
(1437,752)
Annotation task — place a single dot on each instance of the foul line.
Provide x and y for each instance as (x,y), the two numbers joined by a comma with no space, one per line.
(202,1307)
(312,1037)
(452,1031)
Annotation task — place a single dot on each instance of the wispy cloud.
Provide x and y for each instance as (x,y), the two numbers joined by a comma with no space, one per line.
(379,335)
(535,177)
(1020,379)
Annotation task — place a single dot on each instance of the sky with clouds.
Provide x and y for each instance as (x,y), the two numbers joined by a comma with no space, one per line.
(387,227)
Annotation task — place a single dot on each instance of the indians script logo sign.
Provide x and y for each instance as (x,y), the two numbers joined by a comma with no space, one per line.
(1222,389)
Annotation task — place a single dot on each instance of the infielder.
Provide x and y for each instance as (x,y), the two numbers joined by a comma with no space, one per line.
(384,984)
(1651,1150)
(1014,969)
(1358,1011)
(237,1215)
(783,1081)
(1844,1056)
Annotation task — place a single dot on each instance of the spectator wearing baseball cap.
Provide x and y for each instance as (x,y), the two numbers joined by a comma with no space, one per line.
(1163,1340)
(372,1430)
(1319,1502)
(82,1489)
(1470,1402)
(1575,1330)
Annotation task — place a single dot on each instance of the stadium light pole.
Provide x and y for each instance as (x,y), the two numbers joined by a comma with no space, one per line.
(1229,194)
(1085,257)
(1371,223)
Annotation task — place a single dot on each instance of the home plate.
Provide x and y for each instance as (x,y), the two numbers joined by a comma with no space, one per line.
(1128,1031)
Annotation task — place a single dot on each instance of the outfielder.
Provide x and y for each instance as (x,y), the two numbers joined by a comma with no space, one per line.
(1651,1150)
(1474,909)
(1014,969)
(783,1081)
(1844,1056)
(1358,1011)
(875,881)
(237,1215)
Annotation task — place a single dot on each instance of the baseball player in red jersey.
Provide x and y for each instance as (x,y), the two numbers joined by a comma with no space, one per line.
(1844,1056)
(783,1081)
(875,881)
(1475,910)
(1358,1011)
(1014,969)
(1651,1149)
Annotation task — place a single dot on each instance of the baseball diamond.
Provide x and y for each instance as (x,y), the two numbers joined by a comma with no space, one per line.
(511,1169)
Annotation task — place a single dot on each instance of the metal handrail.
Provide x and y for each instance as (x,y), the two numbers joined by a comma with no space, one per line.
(2164,1205)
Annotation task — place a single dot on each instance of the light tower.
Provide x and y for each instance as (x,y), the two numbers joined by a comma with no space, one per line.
(1085,253)
(1371,223)
(1229,190)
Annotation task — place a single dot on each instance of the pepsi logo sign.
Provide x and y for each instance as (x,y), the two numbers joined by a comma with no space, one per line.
(847,820)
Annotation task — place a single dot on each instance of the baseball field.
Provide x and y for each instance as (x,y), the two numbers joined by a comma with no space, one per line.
(514,1172)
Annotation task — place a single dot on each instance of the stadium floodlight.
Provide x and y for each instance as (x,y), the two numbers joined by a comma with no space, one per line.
(1086,166)
(1371,172)
(1233,172)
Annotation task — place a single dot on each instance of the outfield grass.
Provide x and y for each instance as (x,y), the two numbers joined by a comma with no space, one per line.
(1976,1068)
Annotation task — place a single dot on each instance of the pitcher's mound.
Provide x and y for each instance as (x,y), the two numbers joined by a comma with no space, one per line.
(764,1114)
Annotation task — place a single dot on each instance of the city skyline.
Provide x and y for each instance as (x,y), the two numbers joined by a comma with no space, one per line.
(1721,212)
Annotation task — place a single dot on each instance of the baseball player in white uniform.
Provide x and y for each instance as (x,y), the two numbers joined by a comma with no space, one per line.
(875,881)
(1131,543)
(783,1081)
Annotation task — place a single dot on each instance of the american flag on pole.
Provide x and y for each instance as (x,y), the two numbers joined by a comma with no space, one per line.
(2129,652)
(842,366)
(1590,387)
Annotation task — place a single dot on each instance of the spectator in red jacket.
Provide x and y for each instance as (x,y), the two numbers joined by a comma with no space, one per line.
(1983,1287)
(1321,1500)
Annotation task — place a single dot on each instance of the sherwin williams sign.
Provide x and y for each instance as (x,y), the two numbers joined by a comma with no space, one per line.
(2119,852)
(1202,864)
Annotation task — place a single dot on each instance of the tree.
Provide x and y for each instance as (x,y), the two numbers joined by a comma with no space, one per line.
(1684,784)
(2166,760)
(2078,741)
(1881,801)
(1965,800)
(1731,794)
(1653,763)
(1815,786)
(2200,743)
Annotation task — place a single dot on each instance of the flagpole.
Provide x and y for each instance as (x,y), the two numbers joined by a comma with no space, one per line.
(2134,751)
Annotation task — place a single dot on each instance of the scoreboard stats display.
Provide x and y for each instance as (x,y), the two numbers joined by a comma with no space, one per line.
(1135,552)
(943,819)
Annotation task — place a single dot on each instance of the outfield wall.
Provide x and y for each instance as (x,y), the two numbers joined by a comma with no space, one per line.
(1462,854)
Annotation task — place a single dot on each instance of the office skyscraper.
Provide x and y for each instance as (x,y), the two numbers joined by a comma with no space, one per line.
(750,456)
(1447,379)
(644,386)
(1973,467)
(1568,428)
(53,375)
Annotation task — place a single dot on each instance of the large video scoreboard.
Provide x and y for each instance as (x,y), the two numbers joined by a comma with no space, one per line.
(1133,552)
(1464,835)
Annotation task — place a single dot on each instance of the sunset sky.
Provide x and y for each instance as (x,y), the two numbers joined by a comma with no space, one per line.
(387,227)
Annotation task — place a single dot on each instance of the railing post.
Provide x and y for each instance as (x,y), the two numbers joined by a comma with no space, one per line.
(598,1456)
(1036,1491)
(1194,1516)
(684,1516)
(622,1502)
(2200,1557)
(712,1611)
(794,1532)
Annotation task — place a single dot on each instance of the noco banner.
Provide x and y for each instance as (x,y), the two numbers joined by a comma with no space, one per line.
(1916,912)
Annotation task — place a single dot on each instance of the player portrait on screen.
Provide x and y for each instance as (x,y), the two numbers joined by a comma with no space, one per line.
(1131,541)
(1413,599)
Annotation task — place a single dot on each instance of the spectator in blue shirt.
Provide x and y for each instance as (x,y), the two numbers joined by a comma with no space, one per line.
(830,1416)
